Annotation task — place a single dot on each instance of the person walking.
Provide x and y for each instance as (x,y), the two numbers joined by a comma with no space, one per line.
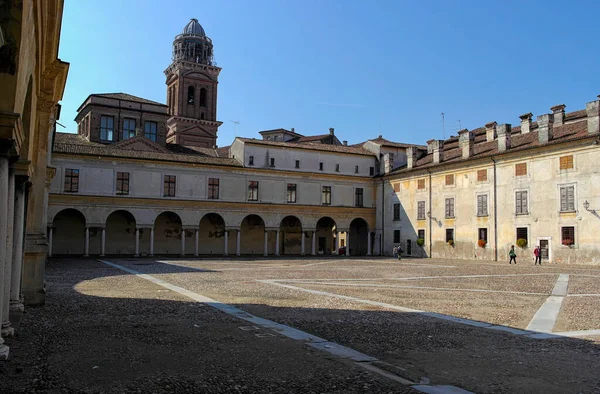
(400,251)
(537,252)
(395,252)
(513,255)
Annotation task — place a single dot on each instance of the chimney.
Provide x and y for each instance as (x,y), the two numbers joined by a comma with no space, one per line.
(503,137)
(387,163)
(559,114)
(293,130)
(465,142)
(331,131)
(345,143)
(545,127)
(437,147)
(411,156)
(526,123)
(490,131)
(593,116)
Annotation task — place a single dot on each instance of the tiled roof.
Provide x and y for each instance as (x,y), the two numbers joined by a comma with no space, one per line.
(382,141)
(452,153)
(310,146)
(223,151)
(74,144)
(128,97)
(281,131)
(312,138)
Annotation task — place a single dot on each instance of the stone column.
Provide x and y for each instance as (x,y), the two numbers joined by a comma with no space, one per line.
(182,242)
(337,242)
(50,236)
(314,243)
(86,252)
(238,243)
(137,242)
(348,243)
(151,241)
(302,244)
(17,260)
(196,244)
(276,242)
(103,242)
(3,227)
(225,236)
(266,243)
(7,243)
(369,243)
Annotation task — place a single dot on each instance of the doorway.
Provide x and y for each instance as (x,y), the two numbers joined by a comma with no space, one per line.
(545,244)
(409,247)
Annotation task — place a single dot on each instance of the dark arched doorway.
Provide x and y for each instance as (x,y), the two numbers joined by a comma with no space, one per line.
(326,229)
(68,234)
(252,235)
(120,233)
(211,235)
(290,234)
(359,237)
(167,233)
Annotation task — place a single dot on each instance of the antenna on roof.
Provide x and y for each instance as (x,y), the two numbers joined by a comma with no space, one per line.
(459,126)
(443,127)
(235,123)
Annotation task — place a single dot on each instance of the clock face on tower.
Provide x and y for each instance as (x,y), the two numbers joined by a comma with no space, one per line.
(192,80)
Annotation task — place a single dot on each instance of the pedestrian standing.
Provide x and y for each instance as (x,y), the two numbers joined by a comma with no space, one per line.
(512,255)
(395,252)
(400,251)
(537,252)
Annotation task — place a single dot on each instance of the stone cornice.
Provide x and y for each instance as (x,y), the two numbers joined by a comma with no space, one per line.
(174,119)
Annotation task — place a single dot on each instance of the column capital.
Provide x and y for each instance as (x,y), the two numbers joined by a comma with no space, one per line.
(190,227)
(232,228)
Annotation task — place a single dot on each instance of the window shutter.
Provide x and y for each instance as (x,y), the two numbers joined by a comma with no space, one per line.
(518,198)
(571,198)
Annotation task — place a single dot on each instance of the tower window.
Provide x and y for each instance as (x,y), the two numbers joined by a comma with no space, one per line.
(203,97)
(191,94)
(202,115)
(128,128)
(150,130)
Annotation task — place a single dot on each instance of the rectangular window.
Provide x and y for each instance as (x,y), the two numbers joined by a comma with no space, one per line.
(521,203)
(396,211)
(71,180)
(567,199)
(396,236)
(253,191)
(522,233)
(449,208)
(421,234)
(150,130)
(396,187)
(297,163)
(272,162)
(481,175)
(482,234)
(128,128)
(321,166)
(566,162)
(482,205)
(371,171)
(450,180)
(250,160)
(106,128)
(421,184)
(449,234)
(169,186)
(291,192)
(568,236)
(122,183)
(337,168)
(213,188)
(358,197)
(520,169)
(421,210)
(356,169)
(326,195)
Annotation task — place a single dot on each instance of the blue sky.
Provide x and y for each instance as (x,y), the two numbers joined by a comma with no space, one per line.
(364,68)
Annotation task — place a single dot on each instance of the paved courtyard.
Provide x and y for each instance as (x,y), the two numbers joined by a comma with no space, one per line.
(310,325)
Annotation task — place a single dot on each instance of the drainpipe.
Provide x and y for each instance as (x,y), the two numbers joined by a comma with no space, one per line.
(495,215)
(430,216)
(382,217)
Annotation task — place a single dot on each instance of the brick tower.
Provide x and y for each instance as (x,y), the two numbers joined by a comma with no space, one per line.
(192,79)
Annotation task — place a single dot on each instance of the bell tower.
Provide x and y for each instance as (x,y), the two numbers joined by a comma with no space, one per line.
(192,79)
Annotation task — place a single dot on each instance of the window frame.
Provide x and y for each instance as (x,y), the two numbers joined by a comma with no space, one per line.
(526,228)
(153,134)
(191,95)
(213,188)
(128,130)
(122,184)
(250,160)
(356,169)
(419,234)
(253,190)
(449,208)
(519,208)
(325,195)
(481,179)
(421,212)
(480,231)
(320,166)
(71,180)
(272,162)
(359,197)
(292,190)
(109,131)
(169,185)
(371,171)
(572,236)
(396,212)
(297,164)
(560,198)
(486,206)
(421,185)
(449,177)
(202,97)
(450,230)
(569,163)
(519,168)
(337,168)
(397,239)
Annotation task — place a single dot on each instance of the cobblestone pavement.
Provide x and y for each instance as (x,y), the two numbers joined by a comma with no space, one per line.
(106,330)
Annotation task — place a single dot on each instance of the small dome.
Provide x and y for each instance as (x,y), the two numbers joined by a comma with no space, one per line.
(193,27)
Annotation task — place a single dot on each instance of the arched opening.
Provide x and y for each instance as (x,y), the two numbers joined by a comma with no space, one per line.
(290,235)
(253,235)
(326,228)
(211,235)
(120,233)
(359,237)
(190,95)
(203,97)
(68,235)
(167,233)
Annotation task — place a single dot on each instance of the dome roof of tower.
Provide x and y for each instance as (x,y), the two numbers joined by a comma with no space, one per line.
(193,27)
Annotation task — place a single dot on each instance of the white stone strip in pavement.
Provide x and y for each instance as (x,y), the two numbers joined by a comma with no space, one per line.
(290,332)
(583,295)
(545,318)
(417,287)
(408,278)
